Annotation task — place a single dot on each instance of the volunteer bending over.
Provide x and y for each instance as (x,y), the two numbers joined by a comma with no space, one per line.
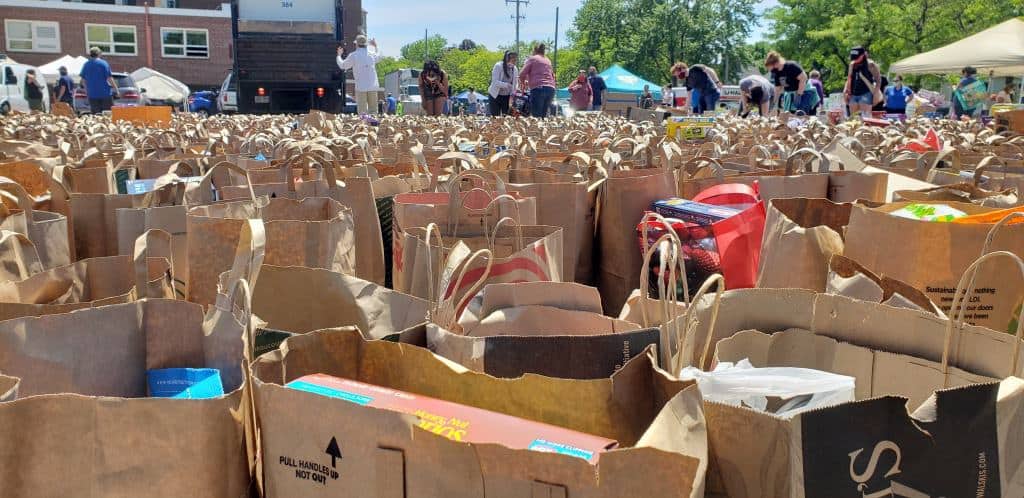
(790,82)
(757,94)
(703,84)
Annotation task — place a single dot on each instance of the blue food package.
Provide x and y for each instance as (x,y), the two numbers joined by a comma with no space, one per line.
(185,383)
(693,212)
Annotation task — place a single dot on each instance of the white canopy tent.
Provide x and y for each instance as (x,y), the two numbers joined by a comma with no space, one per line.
(51,70)
(159,86)
(998,50)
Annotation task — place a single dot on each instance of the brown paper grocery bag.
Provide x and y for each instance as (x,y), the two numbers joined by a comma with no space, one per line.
(18,257)
(655,419)
(563,200)
(800,236)
(792,181)
(93,216)
(516,253)
(848,278)
(962,192)
(47,231)
(94,282)
(931,256)
(315,232)
(81,404)
(133,222)
(355,193)
(939,442)
(545,328)
(32,176)
(419,209)
(895,373)
(623,199)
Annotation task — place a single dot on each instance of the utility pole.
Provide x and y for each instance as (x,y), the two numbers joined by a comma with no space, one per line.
(555,64)
(426,47)
(517,17)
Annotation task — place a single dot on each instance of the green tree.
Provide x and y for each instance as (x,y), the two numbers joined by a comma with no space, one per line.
(419,50)
(648,36)
(820,33)
(470,69)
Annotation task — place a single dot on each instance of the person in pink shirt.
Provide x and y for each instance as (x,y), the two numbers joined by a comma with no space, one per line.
(580,93)
(539,77)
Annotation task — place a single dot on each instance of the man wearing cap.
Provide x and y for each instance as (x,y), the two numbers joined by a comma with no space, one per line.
(861,81)
(65,88)
(98,82)
(363,64)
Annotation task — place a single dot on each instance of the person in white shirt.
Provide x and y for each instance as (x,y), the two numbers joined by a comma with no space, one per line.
(504,78)
(471,100)
(363,64)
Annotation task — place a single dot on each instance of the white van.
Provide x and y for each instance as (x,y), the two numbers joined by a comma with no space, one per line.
(12,88)
(227,100)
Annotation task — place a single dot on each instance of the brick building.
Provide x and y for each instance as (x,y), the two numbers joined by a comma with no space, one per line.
(189,44)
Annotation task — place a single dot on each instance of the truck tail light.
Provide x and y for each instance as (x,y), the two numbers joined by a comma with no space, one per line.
(261,92)
(320,92)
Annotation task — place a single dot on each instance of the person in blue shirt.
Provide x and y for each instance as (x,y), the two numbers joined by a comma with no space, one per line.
(897,96)
(98,82)
(65,88)
(392,104)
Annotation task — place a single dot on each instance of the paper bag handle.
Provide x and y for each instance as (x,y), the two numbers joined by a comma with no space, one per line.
(141,260)
(25,200)
(23,251)
(718,281)
(964,289)
(203,196)
(432,229)
(462,157)
(652,216)
(444,313)
(249,253)
(518,233)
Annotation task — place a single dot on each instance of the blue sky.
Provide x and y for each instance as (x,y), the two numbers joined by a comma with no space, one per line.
(397,22)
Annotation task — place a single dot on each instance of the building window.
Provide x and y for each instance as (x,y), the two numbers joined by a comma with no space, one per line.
(181,42)
(111,39)
(32,36)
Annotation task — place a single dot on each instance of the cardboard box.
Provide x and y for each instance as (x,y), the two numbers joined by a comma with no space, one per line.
(689,127)
(460,422)
(693,212)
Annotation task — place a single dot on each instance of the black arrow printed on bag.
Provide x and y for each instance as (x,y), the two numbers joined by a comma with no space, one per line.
(334,451)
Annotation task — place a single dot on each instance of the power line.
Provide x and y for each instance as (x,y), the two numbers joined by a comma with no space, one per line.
(518,17)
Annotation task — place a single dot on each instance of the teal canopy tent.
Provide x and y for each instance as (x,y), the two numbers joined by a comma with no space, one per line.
(619,79)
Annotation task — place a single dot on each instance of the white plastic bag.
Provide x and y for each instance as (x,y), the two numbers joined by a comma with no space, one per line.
(793,390)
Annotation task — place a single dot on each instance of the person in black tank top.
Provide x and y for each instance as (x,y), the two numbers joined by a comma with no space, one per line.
(862,76)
